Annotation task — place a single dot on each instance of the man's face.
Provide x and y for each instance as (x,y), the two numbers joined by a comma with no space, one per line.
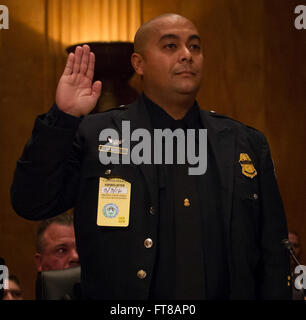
(59,249)
(172,58)
(13,292)
(294,240)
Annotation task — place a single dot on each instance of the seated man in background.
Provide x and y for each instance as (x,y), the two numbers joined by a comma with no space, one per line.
(296,246)
(55,244)
(14,289)
(2,263)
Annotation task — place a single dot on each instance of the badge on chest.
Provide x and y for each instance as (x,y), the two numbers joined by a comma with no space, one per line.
(113,202)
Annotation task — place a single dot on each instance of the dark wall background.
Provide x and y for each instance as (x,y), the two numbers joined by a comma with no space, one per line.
(254,72)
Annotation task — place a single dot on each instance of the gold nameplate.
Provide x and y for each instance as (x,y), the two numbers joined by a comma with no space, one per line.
(112,149)
(247,165)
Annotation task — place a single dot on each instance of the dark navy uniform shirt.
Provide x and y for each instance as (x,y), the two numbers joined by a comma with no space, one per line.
(191,260)
(179,270)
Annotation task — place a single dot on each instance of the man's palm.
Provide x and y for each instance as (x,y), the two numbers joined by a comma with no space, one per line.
(76,94)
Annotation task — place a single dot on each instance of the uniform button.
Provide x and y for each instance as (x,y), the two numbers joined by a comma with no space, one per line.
(152,210)
(186,202)
(141,274)
(108,171)
(148,243)
(255,196)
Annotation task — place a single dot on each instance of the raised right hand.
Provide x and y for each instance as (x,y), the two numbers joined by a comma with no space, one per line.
(76,94)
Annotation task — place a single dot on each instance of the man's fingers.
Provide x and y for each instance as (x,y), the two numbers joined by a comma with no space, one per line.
(85,59)
(91,66)
(96,89)
(69,65)
(77,59)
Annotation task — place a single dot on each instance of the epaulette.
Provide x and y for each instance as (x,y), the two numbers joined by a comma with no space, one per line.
(215,114)
(218,115)
(121,107)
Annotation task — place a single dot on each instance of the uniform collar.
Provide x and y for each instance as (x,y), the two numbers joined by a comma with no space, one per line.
(161,119)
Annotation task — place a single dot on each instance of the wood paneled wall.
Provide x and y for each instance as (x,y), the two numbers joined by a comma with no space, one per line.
(254,72)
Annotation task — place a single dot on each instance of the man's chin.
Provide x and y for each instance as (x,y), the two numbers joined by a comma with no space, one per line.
(187,86)
(187,90)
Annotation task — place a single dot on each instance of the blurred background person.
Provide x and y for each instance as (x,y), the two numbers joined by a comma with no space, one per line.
(2,262)
(296,246)
(14,289)
(55,244)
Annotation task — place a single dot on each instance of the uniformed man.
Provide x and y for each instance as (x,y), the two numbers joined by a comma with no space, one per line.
(154,231)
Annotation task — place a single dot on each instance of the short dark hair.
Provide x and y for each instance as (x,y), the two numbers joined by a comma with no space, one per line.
(64,219)
(15,279)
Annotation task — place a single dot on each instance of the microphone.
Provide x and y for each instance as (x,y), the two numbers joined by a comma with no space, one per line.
(287,245)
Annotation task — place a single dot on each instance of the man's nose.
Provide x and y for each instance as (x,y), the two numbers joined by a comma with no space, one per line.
(9,296)
(185,55)
(74,258)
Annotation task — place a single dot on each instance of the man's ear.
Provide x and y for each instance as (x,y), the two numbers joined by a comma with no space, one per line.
(137,63)
(38,262)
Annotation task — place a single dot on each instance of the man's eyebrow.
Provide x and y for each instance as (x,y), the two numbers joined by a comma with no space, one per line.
(174,36)
(195,36)
(59,245)
(168,36)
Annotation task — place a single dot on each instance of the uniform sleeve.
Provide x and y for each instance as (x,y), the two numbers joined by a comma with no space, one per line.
(57,118)
(274,267)
(47,173)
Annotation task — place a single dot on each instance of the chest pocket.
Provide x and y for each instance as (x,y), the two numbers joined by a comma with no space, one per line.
(246,214)
(125,172)
(248,192)
(93,171)
(89,187)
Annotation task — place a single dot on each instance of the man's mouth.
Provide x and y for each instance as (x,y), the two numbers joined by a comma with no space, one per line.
(185,72)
